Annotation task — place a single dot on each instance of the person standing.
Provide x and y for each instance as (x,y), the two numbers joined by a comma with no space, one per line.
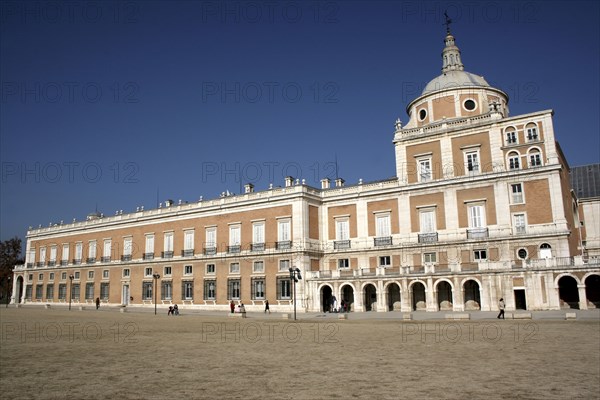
(267,309)
(97,303)
(501,306)
(232,306)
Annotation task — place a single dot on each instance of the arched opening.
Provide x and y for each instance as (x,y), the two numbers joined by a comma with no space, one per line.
(348,297)
(568,292)
(444,296)
(592,291)
(418,297)
(394,299)
(545,251)
(326,299)
(370,298)
(19,289)
(472,295)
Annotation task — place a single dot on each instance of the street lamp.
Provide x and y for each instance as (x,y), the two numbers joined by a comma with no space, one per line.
(156,278)
(8,294)
(295,272)
(70,290)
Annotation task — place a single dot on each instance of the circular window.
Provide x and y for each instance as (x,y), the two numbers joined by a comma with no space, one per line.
(522,253)
(469,105)
(422,114)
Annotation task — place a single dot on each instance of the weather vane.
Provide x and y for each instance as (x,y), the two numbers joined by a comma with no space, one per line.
(448,21)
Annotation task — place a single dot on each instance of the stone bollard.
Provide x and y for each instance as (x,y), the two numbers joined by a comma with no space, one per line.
(570,315)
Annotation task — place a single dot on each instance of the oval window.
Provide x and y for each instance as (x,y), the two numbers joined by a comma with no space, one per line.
(470,105)
(422,114)
(522,253)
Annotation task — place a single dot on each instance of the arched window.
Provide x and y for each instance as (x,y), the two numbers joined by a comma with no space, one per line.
(535,158)
(531,132)
(514,160)
(545,251)
(510,135)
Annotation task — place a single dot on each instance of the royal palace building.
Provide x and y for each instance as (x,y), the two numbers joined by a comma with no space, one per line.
(481,208)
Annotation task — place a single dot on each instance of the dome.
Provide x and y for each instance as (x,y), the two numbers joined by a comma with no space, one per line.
(454,79)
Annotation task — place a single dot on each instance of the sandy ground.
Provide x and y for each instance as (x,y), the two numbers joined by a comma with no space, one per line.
(51,354)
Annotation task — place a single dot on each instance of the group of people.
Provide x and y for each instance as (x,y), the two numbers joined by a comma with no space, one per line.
(173,310)
(333,306)
(239,309)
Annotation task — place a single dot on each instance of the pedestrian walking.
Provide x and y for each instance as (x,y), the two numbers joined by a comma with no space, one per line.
(501,306)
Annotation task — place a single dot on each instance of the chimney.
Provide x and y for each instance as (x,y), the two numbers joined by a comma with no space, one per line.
(248,188)
(339,182)
(325,183)
(289,181)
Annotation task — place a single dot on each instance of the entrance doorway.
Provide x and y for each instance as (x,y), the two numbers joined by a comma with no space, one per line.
(568,292)
(472,297)
(19,291)
(592,290)
(394,299)
(326,299)
(520,300)
(418,297)
(348,297)
(370,298)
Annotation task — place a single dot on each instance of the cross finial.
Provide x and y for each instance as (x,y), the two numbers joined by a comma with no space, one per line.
(448,21)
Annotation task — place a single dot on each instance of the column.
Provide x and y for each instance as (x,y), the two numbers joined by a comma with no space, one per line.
(430,296)
(582,297)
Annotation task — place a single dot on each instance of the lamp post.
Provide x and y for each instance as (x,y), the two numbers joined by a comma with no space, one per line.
(156,277)
(70,290)
(8,294)
(294,277)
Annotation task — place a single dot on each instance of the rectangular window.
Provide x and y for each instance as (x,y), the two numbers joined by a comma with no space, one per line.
(42,255)
(476,216)
(75,292)
(78,253)
(284,265)
(53,254)
(233,289)
(92,249)
(343,263)
(39,291)
(126,273)
(429,258)
(49,291)
(472,162)
(382,225)
(107,250)
(519,223)
(516,192)
(342,229)
(148,271)
(187,290)
(187,270)
(424,169)
(210,290)
(284,230)
(105,274)
(150,244)
(168,245)
(211,240)
(258,289)
(90,274)
(513,161)
(40,277)
(167,271)
(210,269)
(62,291)
(385,261)
(511,137)
(284,286)
(532,133)
(63,275)
(89,291)
(535,160)
(234,268)
(258,267)
(427,221)
(51,276)
(77,275)
(188,240)
(258,233)
(65,254)
(128,247)
(147,291)
(480,255)
(104,291)
(166,290)
(235,235)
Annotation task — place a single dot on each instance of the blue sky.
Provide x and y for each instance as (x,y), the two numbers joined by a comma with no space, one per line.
(108,104)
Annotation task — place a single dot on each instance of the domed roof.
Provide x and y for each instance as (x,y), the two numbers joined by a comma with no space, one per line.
(452,79)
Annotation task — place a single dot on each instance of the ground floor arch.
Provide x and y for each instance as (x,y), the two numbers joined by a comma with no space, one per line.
(444,296)
(347,292)
(592,290)
(19,289)
(370,297)
(393,297)
(326,298)
(568,292)
(472,295)
(419,301)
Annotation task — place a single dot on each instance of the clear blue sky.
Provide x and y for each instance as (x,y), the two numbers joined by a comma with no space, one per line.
(104,104)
